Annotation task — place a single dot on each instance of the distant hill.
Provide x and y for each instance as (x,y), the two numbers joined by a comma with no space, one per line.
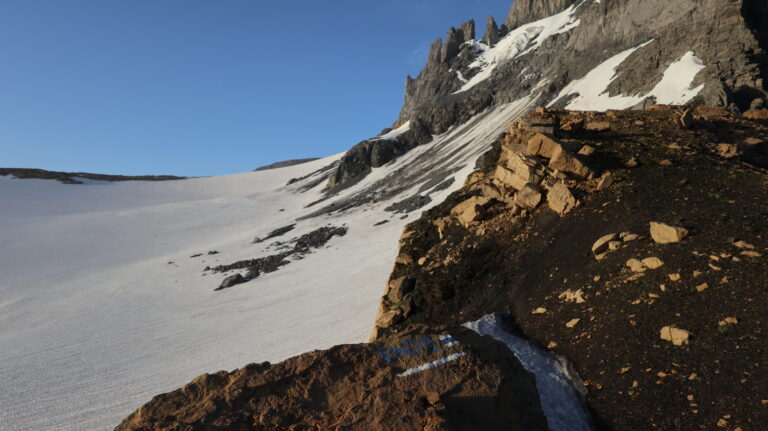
(285,164)
(72,177)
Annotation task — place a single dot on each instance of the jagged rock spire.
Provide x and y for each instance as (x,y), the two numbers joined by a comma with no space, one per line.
(492,35)
(525,11)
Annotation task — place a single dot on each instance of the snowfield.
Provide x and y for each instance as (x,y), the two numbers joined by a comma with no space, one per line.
(102,307)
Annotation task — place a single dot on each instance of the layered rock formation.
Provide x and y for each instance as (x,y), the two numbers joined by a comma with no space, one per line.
(727,37)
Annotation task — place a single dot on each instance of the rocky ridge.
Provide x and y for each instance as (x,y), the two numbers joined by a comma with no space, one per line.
(728,37)
(644,269)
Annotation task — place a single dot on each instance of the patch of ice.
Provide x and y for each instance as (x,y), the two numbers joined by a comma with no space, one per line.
(561,391)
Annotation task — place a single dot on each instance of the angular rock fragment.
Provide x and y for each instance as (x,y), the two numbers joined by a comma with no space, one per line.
(560,199)
(665,234)
(676,336)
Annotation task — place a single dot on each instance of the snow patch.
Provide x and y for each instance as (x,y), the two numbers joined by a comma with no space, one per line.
(561,391)
(520,41)
(395,133)
(673,89)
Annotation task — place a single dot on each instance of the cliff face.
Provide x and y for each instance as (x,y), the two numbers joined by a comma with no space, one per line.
(550,46)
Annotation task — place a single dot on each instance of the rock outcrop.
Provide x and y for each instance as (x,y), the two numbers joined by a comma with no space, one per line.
(420,379)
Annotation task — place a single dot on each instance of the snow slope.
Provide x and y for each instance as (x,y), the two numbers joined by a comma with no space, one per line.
(102,307)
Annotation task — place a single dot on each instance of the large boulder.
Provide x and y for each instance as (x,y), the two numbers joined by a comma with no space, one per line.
(560,199)
(665,234)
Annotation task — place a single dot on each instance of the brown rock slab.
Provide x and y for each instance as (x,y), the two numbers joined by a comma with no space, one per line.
(601,246)
(529,196)
(598,126)
(665,234)
(566,162)
(542,145)
(479,385)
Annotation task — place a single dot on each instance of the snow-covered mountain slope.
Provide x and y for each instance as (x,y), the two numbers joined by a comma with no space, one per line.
(102,307)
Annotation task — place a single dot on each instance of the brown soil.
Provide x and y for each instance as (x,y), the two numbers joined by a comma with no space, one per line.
(357,387)
(637,381)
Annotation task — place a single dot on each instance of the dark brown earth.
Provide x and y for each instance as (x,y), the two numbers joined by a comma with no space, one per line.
(684,177)
(356,387)
(67,177)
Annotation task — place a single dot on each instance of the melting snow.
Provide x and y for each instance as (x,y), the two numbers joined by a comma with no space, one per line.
(592,90)
(560,390)
(519,42)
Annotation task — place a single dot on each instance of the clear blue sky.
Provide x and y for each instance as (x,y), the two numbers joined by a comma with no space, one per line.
(207,87)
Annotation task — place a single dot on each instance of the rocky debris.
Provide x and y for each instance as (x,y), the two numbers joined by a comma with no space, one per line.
(676,336)
(399,288)
(642,265)
(665,234)
(529,196)
(275,233)
(473,382)
(300,247)
(757,114)
(232,280)
(409,204)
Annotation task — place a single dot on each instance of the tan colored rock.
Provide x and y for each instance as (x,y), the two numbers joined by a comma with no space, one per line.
(509,178)
(702,287)
(751,253)
(587,150)
(389,318)
(630,237)
(540,310)
(605,181)
(576,296)
(406,235)
(636,265)
(422,261)
(542,145)
(598,126)
(528,197)
(665,234)
(490,191)
(474,177)
(404,259)
(560,199)
(572,323)
(631,163)
(742,244)
(442,224)
(727,151)
(685,120)
(676,336)
(399,287)
(653,262)
(615,245)
(601,246)
(674,276)
(565,162)
(471,210)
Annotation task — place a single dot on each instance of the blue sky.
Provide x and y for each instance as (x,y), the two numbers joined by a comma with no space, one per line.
(193,87)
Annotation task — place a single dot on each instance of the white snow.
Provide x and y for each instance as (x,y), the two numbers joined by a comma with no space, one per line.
(518,42)
(560,390)
(101,306)
(592,90)
(394,133)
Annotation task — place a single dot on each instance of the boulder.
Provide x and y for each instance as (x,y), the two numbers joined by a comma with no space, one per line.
(560,199)
(529,196)
(636,265)
(653,262)
(389,318)
(605,181)
(665,234)
(566,162)
(509,178)
(524,167)
(542,145)
(404,259)
(471,210)
(676,336)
